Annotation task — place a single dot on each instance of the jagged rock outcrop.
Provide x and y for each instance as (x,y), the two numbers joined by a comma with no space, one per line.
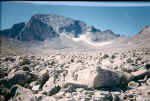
(95,35)
(35,29)
(141,39)
(92,29)
(62,24)
(145,30)
(19,93)
(14,31)
(41,27)
(144,34)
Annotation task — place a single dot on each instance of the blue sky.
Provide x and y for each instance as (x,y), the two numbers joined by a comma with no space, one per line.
(125,18)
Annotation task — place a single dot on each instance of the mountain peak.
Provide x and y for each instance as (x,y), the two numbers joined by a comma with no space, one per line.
(61,24)
(45,16)
(48,26)
(108,31)
(13,31)
(145,30)
(92,29)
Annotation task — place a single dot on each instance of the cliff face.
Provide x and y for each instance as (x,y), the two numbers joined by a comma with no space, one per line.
(14,31)
(42,27)
(96,35)
(35,29)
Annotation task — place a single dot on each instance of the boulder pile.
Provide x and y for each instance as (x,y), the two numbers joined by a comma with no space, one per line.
(76,76)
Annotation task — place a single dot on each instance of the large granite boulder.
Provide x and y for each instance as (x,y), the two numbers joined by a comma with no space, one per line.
(97,78)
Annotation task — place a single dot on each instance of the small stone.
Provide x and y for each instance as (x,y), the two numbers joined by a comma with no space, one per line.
(60,94)
(148,82)
(36,88)
(68,95)
(113,57)
(116,98)
(26,68)
(54,91)
(102,96)
(79,89)
(133,84)
(24,62)
(105,56)
(147,66)
(9,58)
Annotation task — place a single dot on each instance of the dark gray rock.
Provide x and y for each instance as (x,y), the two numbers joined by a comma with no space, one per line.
(24,62)
(62,24)
(35,29)
(48,26)
(19,93)
(41,27)
(3,72)
(14,31)
(21,77)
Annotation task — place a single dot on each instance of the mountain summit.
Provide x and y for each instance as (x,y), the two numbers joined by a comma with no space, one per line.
(48,26)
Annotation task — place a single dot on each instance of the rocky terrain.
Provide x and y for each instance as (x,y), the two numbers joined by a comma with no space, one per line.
(76,76)
(46,59)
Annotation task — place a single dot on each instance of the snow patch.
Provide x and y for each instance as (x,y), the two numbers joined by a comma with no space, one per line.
(87,40)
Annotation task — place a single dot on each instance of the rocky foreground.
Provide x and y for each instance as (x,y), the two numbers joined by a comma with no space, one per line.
(76,76)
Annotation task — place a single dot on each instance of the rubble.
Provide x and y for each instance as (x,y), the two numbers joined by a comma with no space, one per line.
(75,76)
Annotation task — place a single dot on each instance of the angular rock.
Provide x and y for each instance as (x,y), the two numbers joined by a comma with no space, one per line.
(22,94)
(3,72)
(21,77)
(147,66)
(54,90)
(9,58)
(148,82)
(24,62)
(140,73)
(48,85)
(26,68)
(44,76)
(14,31)
(97,78)
(36,88)
(102,96)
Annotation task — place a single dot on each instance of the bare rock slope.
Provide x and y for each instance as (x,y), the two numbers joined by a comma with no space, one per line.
(43,26)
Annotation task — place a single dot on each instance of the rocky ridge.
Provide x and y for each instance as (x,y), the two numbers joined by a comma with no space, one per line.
(43,26)
(14,31)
